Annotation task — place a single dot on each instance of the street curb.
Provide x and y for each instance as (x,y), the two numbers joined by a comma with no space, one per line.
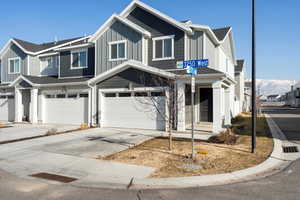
(274,164)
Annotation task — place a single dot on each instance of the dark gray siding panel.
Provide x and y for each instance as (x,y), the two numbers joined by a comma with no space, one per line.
(135,77)
(65,65)
(157,28)
(12,52)
(116,32)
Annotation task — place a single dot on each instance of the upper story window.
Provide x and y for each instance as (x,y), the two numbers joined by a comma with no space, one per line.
(14,65)
(118,50)
(79,59)
(49,62)
(163,48)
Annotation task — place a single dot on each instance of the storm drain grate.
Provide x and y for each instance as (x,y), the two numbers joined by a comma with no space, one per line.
(290,149)
(54,177)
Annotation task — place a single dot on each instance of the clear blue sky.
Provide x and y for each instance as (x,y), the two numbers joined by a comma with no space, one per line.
(278,29)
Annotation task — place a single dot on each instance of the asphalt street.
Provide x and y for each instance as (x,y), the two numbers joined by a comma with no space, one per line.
(284,185)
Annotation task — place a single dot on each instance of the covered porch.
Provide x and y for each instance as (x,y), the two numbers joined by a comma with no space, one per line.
(213,103)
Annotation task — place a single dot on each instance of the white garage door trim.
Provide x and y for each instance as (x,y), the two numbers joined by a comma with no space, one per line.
(132,109)
(7,108)
(64,108)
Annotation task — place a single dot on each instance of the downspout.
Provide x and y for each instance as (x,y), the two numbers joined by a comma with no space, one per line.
(91,105)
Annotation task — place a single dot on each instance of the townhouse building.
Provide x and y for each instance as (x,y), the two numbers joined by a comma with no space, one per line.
(106,78)
(292,98)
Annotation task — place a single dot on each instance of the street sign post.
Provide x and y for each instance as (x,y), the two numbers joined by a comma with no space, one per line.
(191,67)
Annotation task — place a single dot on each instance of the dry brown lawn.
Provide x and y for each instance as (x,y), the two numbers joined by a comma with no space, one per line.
(221,158)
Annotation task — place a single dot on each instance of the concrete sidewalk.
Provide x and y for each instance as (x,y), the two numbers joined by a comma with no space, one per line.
(47,155)
(22,131)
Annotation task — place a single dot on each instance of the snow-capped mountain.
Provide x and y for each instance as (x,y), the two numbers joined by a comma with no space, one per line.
(269,87)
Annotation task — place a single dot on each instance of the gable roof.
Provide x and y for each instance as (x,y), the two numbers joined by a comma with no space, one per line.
(136,3)
(200,70)
(221,32)
(35,49)
(240,65)
(38,81)
(125,21)
(131,64)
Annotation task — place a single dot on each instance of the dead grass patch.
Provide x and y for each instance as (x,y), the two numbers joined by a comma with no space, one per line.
(221,158)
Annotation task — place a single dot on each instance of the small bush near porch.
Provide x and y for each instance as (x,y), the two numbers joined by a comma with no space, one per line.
(220,158)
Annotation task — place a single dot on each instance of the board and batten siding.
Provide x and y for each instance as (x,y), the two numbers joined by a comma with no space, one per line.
(158,28)
(117,32)
(195,45)
(211,52)
(34,65)
(13,52)
(227,47)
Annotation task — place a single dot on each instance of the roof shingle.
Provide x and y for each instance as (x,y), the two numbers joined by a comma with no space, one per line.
(221,32)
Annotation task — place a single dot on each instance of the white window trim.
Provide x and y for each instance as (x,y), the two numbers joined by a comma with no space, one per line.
(117,42)
(15,58)
(79,51)
(154,48)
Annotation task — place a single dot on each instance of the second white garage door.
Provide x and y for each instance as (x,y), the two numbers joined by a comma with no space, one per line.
(7,108)
(134,110)
(66,109)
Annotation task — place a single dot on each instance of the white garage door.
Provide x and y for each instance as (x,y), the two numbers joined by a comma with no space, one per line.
(66,109)
(134,110)
(7,108)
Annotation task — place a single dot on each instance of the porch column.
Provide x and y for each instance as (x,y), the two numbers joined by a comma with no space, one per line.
(180,106)
(90,93)
(227,107)
(18,105)
(94,106)
(217,116)
(34,105)
(167,111)
(100,108)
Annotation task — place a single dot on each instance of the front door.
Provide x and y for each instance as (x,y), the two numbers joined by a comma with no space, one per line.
(26,98)
(206,104)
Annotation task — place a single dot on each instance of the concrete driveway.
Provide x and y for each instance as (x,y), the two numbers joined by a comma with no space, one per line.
(73,154)
(20,131)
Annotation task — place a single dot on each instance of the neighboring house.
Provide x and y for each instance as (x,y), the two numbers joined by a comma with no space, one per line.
(247,96)
(263,98)
(273,98)
(293,97)
(239,76)
(104,78)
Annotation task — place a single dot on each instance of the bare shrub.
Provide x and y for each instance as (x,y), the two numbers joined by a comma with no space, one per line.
(52,131)
(225,137)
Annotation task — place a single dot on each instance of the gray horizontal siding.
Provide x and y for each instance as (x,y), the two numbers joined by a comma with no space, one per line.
(65,70)
(132,76)
(196,45)
(157,28)
(116,32)
(12,52)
